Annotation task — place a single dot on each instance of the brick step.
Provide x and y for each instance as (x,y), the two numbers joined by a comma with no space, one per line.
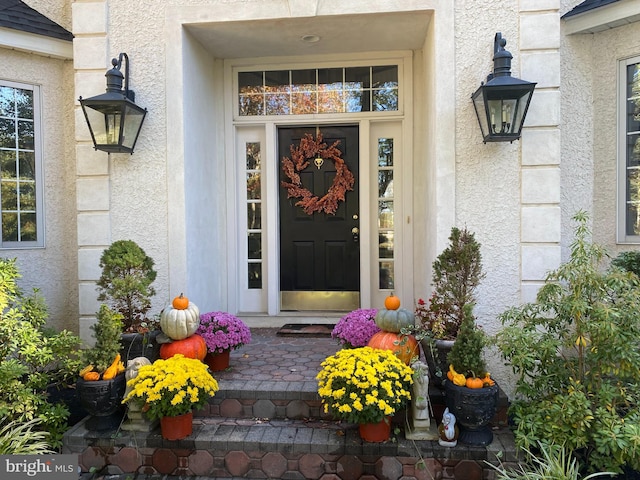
(287,449)
(298,400)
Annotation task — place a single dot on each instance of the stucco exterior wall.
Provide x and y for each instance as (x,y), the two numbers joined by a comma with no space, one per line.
(51,269)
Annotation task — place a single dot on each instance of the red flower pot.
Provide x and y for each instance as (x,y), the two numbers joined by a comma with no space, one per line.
(376,432)
(175,428)
(217,361)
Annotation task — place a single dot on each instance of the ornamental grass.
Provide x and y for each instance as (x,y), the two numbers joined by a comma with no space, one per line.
(364,385)
(172,387)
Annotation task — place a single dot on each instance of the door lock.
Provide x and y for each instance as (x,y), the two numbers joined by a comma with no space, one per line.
(355,232)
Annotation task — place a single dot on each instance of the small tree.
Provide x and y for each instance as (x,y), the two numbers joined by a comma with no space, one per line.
(466,356)
(125,283)
(575,352)
(107,333)
(457,271)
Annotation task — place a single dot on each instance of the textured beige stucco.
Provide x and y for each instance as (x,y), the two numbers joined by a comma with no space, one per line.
(51,269)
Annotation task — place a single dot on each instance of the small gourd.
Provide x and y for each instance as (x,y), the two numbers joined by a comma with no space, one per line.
(474,382)
(91,376)
(112,370)
(180,323)
(394,320)
(392,302)
(487,381)
(180,302)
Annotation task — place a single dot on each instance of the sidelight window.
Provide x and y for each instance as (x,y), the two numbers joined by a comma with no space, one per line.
(254,214)
(386,248)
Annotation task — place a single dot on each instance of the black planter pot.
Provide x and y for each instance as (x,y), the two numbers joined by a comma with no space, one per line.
(66,395)
(435,353)
(140,345)
(102,399)
(473,408)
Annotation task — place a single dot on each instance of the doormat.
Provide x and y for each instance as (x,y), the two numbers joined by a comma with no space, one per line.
(306,329)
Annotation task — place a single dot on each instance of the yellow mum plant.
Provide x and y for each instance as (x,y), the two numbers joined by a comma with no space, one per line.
(172,387)
(364,385)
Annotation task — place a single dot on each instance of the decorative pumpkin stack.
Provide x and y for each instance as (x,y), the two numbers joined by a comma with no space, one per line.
(179,321)
(391,320)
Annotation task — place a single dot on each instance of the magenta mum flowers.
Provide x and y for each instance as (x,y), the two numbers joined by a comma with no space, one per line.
(356,328)
(223,331)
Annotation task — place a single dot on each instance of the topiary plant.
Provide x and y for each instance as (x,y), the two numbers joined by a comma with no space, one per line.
(107,332)
(575,353)
(125,283)
(466,355)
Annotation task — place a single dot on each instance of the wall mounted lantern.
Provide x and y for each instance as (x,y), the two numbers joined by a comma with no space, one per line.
(114,119)
(502,102)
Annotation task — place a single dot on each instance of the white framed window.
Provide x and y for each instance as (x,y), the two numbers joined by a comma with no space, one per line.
(21,204)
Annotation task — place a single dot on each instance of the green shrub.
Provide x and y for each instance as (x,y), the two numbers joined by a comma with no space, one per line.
(628,261)
(576,353)
(31,358)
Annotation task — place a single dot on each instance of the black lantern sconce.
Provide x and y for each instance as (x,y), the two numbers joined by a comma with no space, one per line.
(502,102)
(114,119)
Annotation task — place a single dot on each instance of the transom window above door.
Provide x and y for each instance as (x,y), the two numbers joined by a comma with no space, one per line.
(318,90)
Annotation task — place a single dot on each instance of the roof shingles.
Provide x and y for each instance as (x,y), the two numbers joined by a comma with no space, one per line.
(17,15)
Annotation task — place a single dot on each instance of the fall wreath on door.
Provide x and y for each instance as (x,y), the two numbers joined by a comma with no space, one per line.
(301,156)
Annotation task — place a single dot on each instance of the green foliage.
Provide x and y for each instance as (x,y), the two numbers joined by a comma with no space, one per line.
(552,463)
(466,356)
(575,353)
(457,271)
(628,261)
(32,357)
(107,332)
(23,438)
(125,282)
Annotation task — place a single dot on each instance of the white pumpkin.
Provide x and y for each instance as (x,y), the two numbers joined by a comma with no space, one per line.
(180,324)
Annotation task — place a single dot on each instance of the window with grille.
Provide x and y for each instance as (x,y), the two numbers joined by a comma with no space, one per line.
(20,166)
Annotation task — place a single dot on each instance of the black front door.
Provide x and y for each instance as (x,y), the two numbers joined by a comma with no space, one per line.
(319,252)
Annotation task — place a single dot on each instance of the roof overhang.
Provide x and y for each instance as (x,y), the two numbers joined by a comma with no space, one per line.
(603,18)
(35,44)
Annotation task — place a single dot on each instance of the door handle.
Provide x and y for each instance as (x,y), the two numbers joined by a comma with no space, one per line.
(355,232)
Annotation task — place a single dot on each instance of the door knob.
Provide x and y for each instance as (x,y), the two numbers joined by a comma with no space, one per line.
(355,232)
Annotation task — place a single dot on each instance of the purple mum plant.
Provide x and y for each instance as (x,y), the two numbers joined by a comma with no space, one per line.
(356,328)
(223,331)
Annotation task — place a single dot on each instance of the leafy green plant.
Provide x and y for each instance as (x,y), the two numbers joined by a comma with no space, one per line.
(552,463)
(107,332)
(628,261)
(125,283)
(32,357)
(466,355)
(457,272)
(575,354)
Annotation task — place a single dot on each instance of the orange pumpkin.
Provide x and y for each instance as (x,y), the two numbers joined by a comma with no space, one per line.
(180,302)
(392,302)
(405,347)
(474,382)
(191,347)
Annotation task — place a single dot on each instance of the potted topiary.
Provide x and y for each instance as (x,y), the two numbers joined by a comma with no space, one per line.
(125,285)
(102,381)
(470,392)
(457,271)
